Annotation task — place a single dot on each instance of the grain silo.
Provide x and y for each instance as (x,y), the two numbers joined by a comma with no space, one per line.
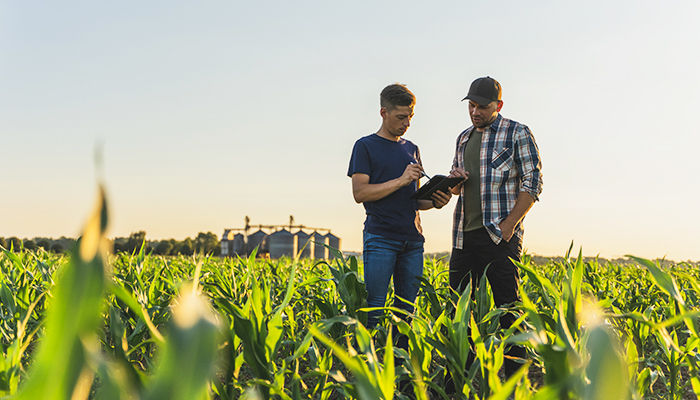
(283,243)
(305,244)
(333,241)
(238,245)
(258,239)
(320,251)
(226,243)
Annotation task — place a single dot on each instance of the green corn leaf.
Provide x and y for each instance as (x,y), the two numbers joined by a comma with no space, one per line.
(507,388)
(387,377)
(187,362)
(254,352)
(632,357)
(661,279)
(545,285)
(122,294)
(59,370)
(8,299)
(606,370)
(367,387)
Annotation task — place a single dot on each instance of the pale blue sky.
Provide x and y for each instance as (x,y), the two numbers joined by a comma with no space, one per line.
(210,111)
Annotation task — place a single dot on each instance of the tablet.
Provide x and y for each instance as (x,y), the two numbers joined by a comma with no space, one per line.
(438,182)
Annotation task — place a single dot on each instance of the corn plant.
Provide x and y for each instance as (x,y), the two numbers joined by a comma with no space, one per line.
(136,326)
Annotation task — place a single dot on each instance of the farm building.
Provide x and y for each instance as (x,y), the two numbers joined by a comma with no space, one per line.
(277,241)
(305,244)
(232,243)
(321,241)
(283,244)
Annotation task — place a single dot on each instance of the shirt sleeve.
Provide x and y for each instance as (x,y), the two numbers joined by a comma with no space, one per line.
(527,159)
(359,160)
(454,160)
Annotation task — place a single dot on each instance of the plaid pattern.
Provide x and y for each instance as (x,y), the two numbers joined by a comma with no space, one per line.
(510,163)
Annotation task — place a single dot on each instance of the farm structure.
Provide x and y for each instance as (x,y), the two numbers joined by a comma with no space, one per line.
(276,241)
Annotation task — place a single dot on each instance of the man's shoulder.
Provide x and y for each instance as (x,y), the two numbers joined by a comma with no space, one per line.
(366,139)
(464,134)
(466,131)
(407,143)
(368,142)
(507,123)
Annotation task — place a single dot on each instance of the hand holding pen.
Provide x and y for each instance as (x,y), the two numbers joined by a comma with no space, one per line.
(413,172)
(422,172)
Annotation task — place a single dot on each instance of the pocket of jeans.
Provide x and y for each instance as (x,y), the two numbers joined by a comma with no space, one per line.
(368,236)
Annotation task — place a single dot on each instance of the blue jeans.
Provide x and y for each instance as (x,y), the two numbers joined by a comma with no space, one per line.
(383,258)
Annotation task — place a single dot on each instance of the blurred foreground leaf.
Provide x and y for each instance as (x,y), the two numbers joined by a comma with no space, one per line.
(59,370)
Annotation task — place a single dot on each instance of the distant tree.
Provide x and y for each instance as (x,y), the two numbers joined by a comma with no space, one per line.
(30,245)
(186,247)
(119,244)
(175,247)
(207,243)
(14,242)
(44,244)
(56,248)
(66,243)
(3,243)
(163,248)
(135,240)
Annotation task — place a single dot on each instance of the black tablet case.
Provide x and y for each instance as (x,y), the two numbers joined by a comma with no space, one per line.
(438,182)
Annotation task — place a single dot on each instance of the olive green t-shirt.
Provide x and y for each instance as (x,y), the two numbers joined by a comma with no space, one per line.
(473,215)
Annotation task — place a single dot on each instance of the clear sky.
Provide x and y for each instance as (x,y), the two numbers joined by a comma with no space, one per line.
(211,111)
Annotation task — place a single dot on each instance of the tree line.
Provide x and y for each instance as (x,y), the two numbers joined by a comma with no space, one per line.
(203,243)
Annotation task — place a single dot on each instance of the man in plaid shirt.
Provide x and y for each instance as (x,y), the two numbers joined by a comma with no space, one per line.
(501,164)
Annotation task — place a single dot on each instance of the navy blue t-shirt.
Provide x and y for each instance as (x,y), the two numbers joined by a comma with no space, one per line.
(396,215)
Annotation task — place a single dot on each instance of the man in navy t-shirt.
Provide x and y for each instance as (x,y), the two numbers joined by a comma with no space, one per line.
(385,169)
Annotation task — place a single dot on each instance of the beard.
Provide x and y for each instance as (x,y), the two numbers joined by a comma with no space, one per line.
(482,123)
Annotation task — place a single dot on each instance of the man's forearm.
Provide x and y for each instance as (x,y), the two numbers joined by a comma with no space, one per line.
(522,205)
(376,191)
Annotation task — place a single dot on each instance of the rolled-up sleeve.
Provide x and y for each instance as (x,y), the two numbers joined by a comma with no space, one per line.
(528,162)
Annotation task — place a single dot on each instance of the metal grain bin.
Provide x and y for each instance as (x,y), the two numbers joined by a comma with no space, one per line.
(333,241)
(226,243)
(238,245)
(259,240)
(320,251)
(283,243)
(305,244)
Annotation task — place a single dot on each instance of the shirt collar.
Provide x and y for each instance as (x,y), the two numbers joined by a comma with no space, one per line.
(496,122)
(493,127)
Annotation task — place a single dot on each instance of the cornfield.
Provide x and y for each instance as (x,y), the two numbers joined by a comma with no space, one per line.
(96,325)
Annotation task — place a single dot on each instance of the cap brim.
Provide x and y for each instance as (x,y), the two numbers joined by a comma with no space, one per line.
(482,101)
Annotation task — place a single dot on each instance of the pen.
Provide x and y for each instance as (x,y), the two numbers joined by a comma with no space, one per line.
(421,172)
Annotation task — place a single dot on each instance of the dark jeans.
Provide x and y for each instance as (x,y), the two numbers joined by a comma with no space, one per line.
(384,258)
(479,251)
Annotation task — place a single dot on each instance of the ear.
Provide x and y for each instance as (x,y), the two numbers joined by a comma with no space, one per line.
(499,106)
(383,112)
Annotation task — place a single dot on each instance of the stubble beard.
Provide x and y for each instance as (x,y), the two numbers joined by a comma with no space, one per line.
(483,124)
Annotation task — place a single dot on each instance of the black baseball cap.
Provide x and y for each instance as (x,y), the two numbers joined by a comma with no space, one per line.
(484,90)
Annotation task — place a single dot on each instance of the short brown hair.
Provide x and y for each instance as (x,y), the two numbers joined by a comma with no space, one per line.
(396,95)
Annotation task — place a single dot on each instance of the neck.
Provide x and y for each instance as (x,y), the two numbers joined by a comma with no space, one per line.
(386,135)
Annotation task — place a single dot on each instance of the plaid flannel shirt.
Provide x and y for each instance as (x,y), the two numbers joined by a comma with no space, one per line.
(510,163)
